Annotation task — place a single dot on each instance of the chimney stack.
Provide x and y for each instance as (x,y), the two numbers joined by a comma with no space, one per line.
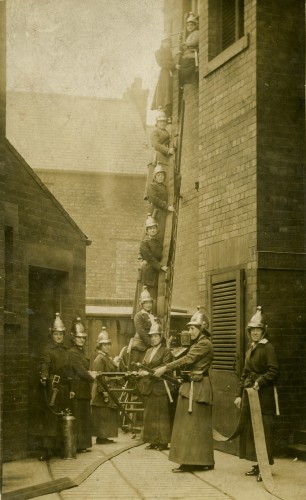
(139,97)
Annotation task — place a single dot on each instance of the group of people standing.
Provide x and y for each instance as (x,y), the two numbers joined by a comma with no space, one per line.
(190,432)
(177,390)
(69,387)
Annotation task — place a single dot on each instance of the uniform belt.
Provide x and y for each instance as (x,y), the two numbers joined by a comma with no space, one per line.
(58,379)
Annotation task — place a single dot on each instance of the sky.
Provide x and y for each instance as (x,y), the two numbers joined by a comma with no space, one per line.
(83,47)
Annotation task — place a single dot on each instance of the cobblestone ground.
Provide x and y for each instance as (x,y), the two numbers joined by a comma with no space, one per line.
(133,474)
(139,473)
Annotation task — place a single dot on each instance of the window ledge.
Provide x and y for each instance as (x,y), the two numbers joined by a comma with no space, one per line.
(227,54)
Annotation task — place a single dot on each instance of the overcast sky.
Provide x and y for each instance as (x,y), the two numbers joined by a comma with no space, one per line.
(83,47)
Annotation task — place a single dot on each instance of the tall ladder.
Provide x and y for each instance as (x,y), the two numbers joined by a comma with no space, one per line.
(165,280)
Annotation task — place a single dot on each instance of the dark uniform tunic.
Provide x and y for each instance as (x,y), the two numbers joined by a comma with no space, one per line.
(158,197)
(160,140)
(261,365)
(157,421)
(192,441)
(80,404)
(151,250)
(103,410)
(187,61)
(54,361)
(163,95)
(141,340)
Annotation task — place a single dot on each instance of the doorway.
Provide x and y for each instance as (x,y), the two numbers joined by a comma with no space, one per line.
(227,329)
(45,299)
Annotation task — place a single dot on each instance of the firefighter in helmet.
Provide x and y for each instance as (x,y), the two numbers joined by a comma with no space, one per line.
(151,250)
(188,54)
(54,379)
(260,372)
(160,140)
(104,411)
(143,320)
(193,448)
(156,392)
(158,197)
(80,387)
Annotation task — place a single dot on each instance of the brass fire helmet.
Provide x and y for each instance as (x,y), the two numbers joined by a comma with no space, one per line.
(258,320)
(150,222)
(159,169)
(58,325)
(156,327)
(103,337)
(192,18)
(200,320)
(78,329)
(145,295)
(161,116)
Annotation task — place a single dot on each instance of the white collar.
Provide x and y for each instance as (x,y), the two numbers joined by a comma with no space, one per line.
(261,341)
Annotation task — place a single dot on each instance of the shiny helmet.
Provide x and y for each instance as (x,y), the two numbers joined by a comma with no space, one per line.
(58,325)
(258,320)
(161,116)
(159,168)
(103,337)
(145,295)
(156,327)
(78,329)
(150,222)
(200,320)
(192,18)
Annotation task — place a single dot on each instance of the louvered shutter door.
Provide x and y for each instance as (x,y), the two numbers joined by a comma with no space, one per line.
(226,292)
(224,324)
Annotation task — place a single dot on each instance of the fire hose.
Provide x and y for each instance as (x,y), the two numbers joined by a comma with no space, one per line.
(259,437)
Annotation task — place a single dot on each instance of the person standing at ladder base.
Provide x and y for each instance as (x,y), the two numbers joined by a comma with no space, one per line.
(192,439)
(143,320)
(104,411)
(260,372)
(157,393)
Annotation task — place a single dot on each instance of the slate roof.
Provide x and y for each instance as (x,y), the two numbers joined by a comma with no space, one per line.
(60,132)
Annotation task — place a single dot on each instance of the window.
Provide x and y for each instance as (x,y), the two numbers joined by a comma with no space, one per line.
(226,24)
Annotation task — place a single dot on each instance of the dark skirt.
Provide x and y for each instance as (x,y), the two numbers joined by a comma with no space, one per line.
(247,446)
(81,411)
(192,441)
(157,422)
(104,421)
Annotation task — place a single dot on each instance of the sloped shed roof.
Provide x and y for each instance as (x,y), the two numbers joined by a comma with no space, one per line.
(60,132)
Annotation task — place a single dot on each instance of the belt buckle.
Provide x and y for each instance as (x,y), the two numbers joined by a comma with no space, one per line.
(56,379)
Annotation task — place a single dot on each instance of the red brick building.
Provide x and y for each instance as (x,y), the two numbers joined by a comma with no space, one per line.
(241,235)
(93,154)
(42,269)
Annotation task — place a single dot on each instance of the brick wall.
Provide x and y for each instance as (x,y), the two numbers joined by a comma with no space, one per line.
(45,237)
(111,212)
(281,194)
(250,210)
(281,126)
(227,158)
(284,291)
(186,274)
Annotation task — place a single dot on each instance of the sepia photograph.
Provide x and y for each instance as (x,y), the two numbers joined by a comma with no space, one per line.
(152,250)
